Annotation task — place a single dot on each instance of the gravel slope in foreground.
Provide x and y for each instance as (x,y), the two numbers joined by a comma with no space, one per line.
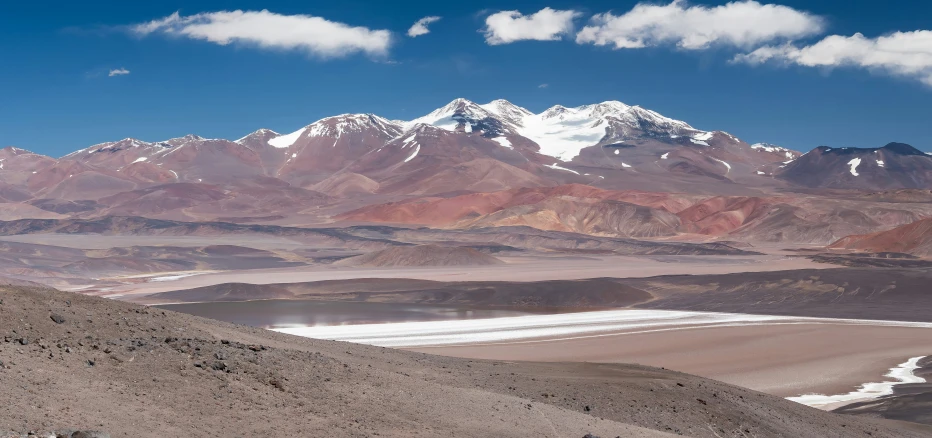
(78,362)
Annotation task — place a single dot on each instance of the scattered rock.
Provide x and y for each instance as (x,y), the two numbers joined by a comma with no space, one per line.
(277,383)
(57,318)
(89,434)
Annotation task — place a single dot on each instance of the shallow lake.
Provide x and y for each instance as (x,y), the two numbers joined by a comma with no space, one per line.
(297,313)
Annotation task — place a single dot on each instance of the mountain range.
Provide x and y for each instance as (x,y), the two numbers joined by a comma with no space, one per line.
(606,168)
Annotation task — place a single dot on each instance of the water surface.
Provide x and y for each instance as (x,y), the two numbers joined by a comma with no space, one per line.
(302,313)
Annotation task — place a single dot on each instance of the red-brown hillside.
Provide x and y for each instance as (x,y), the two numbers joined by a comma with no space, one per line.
(444,211)
(914,238)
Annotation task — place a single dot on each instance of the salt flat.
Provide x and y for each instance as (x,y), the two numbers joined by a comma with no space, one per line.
(785,356)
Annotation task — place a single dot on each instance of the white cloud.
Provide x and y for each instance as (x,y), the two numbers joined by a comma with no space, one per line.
(118,72)
(543,85)
(739,23)
(907,54)
(545,25)
(264,29)
(420,26)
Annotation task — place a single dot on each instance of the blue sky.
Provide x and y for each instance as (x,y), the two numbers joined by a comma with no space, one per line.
(58,96)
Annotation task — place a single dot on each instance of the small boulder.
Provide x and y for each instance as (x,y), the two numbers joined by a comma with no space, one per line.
(57,318)
(89,434)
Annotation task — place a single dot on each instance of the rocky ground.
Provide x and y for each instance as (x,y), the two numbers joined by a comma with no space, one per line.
(72,362)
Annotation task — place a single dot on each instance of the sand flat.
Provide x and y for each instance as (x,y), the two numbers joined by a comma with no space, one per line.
(784,360)
(102,241)
(525,268)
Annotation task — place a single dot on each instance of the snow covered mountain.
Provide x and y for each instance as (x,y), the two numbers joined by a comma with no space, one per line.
(560,132)
(459,149)
(461,146)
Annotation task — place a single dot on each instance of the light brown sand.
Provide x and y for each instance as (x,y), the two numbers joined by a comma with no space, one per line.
(785,360)
(96,241)
(527,268)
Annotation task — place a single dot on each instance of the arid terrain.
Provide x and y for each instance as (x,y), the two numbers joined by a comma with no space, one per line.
(478,271)
(76,362)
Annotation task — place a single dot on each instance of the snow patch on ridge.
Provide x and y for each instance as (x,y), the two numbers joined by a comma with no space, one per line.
(503,141)
(767,147)
(416,150)
(285,141)
(723,162)
(557,167)
(853,164)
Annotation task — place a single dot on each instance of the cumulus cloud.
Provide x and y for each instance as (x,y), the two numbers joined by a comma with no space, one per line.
(545,25)
(906,54)
(740,24)
(420,26)
(118,72)
(314,35)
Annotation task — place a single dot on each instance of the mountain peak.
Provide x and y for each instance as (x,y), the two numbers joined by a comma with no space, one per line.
(458,104)
(610,106)
(554,111)
(902,149)
(461,101)
(500,102)
(453,115)
(896,148)
(262,134)
(13,150)
(178,141)
(508,111)
(120,144)
(336,126)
